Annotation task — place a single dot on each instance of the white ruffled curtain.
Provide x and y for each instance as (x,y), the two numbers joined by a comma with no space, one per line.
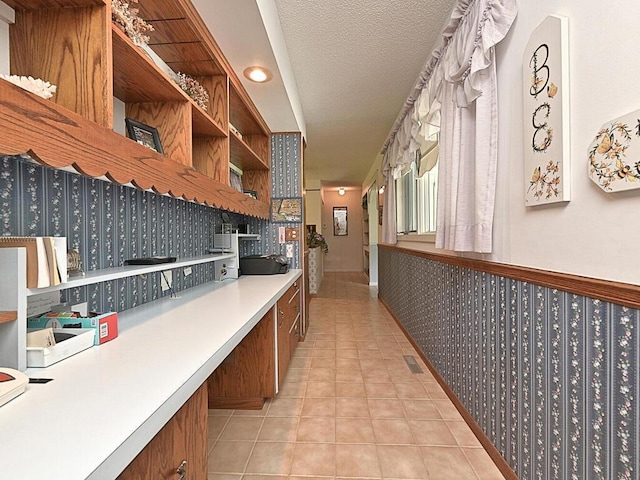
(460,85)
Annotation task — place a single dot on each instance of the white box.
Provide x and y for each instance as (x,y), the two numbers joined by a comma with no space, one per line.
(12,384)
(43,357)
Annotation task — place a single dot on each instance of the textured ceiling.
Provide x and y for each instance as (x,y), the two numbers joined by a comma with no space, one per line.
(353,62)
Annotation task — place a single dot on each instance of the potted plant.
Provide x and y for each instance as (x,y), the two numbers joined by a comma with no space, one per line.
(314,240)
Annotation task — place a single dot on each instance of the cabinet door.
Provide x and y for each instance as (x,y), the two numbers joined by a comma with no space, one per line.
(288,307)
(294,335)
(295,321)
(284,315)
(181,442)
(247,376)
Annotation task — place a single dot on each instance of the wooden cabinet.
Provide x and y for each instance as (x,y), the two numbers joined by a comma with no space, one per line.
(288,333)
(180,447)
(74,45)
(247,376)
(283,340)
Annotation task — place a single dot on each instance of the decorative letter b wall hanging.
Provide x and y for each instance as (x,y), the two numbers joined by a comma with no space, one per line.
(545,72)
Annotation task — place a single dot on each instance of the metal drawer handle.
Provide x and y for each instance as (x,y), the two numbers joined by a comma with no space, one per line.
(182,470)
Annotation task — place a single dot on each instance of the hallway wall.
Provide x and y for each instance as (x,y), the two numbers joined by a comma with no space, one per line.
(589,235)
(345,252)
(604,84)
(551,377)
(109,223)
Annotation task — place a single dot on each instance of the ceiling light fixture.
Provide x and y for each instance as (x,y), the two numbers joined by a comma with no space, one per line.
(341,191)
(258,74)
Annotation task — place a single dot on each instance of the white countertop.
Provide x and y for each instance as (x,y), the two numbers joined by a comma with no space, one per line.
(106,403)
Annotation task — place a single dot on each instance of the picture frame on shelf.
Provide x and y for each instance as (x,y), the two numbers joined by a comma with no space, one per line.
(144,134)
(286,210)
(235,180)
(251,193)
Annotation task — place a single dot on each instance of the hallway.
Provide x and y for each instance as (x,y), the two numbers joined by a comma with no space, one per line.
(350,406)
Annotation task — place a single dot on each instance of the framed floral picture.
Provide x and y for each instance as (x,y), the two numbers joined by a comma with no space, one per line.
(545,72)
(286,210)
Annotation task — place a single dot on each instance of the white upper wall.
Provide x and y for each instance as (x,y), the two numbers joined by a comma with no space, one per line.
(596,233)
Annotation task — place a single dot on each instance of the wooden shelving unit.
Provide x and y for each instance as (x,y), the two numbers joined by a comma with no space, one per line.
(41,4)
(75,45)
(242,155)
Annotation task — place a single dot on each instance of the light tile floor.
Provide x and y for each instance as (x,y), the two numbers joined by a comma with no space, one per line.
(349,408)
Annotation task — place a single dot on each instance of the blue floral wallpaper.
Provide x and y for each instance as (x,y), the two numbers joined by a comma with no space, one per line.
(109,223)
(286,181)
(551,377)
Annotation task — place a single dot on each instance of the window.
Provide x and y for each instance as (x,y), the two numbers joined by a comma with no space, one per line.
(416,199)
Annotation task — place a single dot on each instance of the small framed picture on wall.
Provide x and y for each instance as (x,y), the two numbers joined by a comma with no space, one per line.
(286,210)
(340,222)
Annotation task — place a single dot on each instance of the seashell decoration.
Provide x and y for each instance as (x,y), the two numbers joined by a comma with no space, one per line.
(34,85)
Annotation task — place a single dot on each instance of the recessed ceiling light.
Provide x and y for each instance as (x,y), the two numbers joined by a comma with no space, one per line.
(257,74)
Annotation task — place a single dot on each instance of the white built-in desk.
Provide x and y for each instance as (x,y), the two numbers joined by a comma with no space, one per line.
(106,403)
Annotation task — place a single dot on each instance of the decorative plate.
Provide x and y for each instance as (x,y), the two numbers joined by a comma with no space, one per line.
(614,154)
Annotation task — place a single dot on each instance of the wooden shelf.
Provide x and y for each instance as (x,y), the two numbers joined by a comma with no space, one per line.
(45,4)
(136,79)
(108,274)
(8,316)
(203,125)
(92,60)
(242,156)
(255,135)
(57,137)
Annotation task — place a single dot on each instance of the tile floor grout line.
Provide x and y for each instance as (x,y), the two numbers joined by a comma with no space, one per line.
(327,315)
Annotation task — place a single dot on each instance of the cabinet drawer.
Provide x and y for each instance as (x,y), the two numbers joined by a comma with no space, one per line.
(181,445)
(291,292)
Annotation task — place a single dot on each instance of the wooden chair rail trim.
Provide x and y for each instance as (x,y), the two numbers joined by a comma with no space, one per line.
(616,292)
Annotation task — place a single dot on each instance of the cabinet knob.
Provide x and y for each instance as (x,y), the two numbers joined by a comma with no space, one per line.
(182,470)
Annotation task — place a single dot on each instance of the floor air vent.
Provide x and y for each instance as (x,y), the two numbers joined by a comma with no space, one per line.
(412,364)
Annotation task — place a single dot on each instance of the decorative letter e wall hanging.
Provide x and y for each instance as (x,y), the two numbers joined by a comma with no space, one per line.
(545,72)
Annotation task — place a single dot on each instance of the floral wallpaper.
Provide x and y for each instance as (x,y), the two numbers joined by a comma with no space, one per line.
(286,181)
(551,377)
(109,223)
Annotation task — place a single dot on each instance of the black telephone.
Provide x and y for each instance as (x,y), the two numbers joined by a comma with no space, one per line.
(264,264)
